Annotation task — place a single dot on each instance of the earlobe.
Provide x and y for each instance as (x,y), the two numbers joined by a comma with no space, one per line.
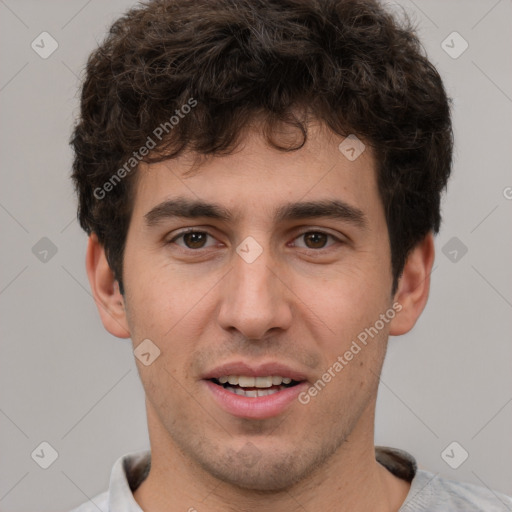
(105,290)
(413,286)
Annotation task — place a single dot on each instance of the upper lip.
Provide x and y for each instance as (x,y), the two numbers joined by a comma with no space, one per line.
(254,370)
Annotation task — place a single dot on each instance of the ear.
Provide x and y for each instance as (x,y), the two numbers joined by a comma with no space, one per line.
(413,286)
(105,290)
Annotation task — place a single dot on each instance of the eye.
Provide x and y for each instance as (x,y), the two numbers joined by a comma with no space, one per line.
(316,239)
(192,239)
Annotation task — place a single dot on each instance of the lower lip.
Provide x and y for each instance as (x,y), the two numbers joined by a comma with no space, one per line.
(258,408)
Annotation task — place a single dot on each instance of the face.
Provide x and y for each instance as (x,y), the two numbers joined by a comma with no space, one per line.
(257,291)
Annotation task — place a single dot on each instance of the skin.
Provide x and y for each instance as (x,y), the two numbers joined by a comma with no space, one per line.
(301,302)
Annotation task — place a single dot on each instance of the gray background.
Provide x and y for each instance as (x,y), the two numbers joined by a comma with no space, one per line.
(66,381)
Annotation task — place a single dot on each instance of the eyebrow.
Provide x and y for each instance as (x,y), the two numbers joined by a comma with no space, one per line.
(182,207)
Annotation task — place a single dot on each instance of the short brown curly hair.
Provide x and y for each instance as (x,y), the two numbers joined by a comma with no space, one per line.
(350,64)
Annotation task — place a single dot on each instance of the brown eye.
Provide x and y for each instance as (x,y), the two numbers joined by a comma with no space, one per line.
(192,239)
(315,240)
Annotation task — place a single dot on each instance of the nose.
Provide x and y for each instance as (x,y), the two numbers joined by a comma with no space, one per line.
(255,297)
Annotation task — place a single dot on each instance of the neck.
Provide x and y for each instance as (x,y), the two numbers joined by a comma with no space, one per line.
(351,479)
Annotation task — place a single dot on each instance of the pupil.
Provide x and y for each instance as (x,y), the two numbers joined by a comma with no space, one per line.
(314,238)
(194,240)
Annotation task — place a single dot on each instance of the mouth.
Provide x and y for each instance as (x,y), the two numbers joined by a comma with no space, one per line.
(254,392)
(254,387)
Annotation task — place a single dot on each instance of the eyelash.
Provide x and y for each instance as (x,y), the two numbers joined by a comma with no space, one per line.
(188,231)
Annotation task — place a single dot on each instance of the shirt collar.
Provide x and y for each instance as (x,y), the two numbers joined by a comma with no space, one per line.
(128,473)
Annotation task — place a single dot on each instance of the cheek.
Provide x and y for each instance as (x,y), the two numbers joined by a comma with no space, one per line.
(349,379)
(169,308)
(348,301)
(159,294)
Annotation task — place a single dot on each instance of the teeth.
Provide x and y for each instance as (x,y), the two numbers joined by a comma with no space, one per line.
(263,382)
(251,382)
(253,393)
(246,382)
(265,392)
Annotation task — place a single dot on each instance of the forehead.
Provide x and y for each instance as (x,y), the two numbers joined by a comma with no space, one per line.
(257,179)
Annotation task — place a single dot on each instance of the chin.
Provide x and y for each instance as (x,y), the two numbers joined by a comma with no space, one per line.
(251,469)
(261,478)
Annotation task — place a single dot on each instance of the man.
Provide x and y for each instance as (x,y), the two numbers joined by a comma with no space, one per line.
(261,180)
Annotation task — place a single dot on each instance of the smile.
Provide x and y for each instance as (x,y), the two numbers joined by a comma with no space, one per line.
(254,387)
(255,398)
